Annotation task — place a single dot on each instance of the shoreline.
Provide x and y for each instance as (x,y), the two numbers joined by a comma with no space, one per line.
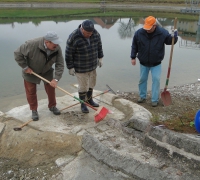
(152,6)
(10,102)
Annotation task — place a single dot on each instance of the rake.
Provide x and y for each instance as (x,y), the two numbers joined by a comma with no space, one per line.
(79,103)
(100,113)
(109,89)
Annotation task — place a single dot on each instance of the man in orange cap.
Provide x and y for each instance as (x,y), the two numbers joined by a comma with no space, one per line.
(148,46)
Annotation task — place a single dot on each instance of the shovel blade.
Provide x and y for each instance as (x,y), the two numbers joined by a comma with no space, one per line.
(166,98)
(17,129)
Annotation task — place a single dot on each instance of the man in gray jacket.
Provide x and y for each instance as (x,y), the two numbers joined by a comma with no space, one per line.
(38,55)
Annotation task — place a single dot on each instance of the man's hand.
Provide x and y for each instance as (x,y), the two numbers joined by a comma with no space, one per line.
(54,83)
(28,70)
(100,62)
(174,33)
(72,71)
(133,62)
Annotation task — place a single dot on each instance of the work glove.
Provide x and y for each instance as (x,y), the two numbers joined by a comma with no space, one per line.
(100,62)
(174,33)
(72,71)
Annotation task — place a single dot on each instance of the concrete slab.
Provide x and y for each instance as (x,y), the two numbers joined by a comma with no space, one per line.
(71,120)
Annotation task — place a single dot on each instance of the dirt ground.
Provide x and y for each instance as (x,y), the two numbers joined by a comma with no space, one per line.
(179,116)
(31,154)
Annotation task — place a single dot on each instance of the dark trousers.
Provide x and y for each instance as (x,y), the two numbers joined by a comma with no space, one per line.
(31,94)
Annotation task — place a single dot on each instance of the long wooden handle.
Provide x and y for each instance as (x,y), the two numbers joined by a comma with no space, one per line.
(170,58)
(26,123)
(64,91)
(49,83)
(78,103)
(172,46)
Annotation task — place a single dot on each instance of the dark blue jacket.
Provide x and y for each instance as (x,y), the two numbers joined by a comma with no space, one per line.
(81,55)
(150,49)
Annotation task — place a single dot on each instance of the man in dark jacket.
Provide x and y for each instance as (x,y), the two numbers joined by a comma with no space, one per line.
(82,55)
(38,55)
(148,46)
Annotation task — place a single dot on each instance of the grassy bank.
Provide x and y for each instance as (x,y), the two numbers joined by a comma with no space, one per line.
(96,1)
(67,13)
(39,13)
(23,14)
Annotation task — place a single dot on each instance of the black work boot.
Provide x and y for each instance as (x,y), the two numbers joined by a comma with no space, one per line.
(84,108)
(35,115)
(89,98)
(55,110)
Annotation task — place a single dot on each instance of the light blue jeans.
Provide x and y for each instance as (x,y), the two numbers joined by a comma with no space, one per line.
(155,73)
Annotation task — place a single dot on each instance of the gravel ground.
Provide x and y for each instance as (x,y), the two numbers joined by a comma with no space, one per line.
(185,99)
(11,170)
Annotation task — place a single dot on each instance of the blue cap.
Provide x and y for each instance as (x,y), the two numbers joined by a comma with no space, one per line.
(88,25)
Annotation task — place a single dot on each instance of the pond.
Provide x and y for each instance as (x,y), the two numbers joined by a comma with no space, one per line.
(117,71)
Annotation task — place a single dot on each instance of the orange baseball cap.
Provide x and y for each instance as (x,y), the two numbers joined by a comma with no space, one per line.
(149,22)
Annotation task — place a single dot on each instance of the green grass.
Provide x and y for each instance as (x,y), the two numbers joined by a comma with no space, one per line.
(109,1)
(20,15)
(27,13)
(10,15)
(54,1)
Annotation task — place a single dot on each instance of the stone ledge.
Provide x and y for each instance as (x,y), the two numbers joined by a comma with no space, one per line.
(140,121)
(125,164)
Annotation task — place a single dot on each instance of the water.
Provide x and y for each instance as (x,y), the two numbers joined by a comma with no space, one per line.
(117,70)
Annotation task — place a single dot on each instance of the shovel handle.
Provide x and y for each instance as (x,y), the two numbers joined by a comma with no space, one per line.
(26,123)
(172,46)
(170,59)
(64,91)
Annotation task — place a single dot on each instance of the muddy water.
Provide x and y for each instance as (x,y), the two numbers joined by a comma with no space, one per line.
(117,70)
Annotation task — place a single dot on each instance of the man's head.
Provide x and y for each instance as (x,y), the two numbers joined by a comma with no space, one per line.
(87,28)
(150,24)
(52,40)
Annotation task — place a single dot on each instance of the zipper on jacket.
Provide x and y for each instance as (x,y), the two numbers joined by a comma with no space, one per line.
(148,62)
(48,58)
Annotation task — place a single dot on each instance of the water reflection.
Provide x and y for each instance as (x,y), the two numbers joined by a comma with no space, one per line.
(126,29)
(190,34)
(117,70)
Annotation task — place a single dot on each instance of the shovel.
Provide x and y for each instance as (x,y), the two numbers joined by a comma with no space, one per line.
(165,95)
(100,113)
(20,128)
